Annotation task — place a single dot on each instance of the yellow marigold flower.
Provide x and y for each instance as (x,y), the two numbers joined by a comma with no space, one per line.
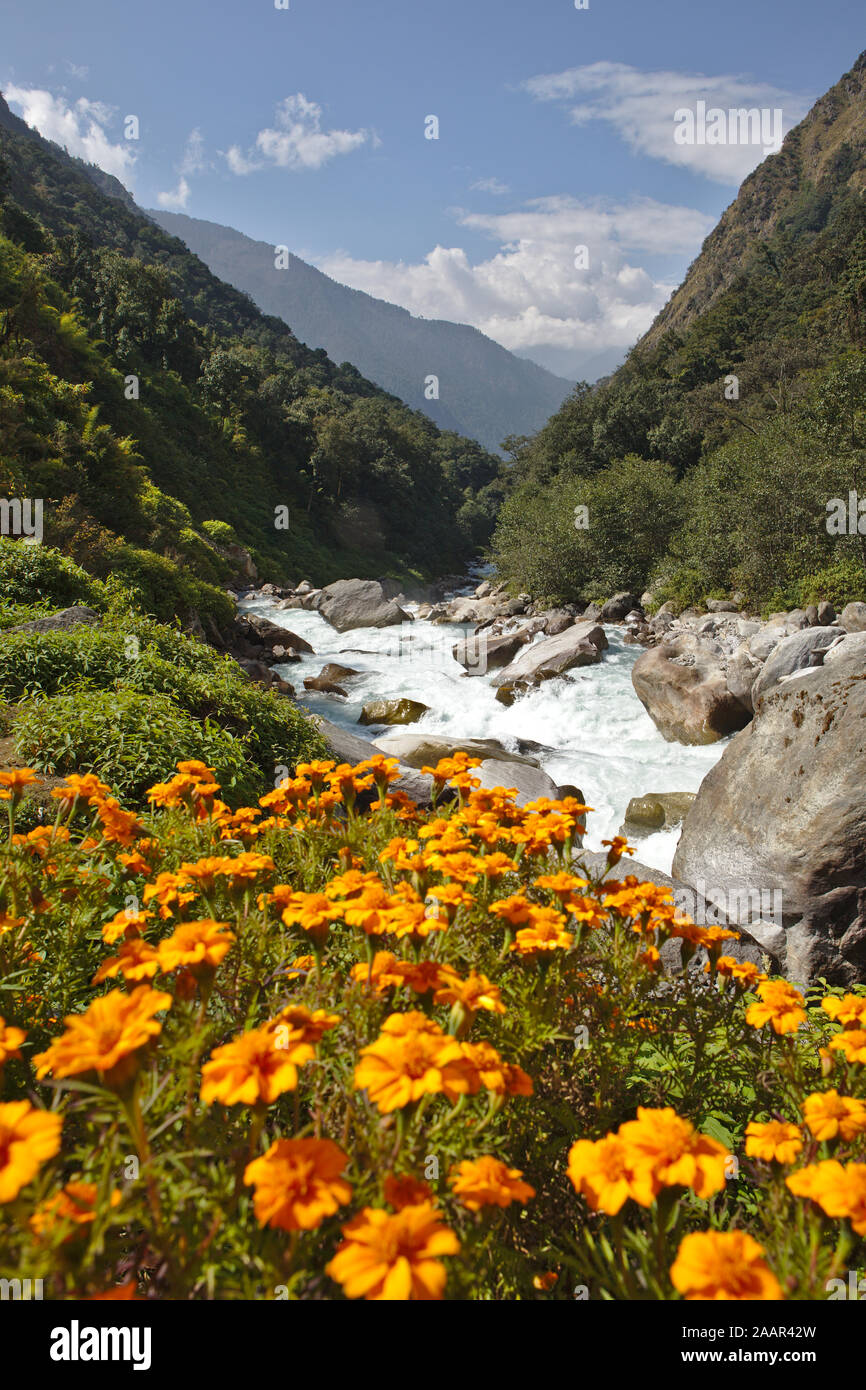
(422,977)
(475,992)
(313,913)
(561,884)
(119,826)
(831,1116)
(10,1041)
(387,1257)
(414,920)
(460,866)
(675,1153)
(806,1182)
(200,945)
(852,1043)
(380,975)
(253,1069)
(516,909)
(167,891)
(298,1183)
(617,847)
(487,1181)
(483,1066)
(136,960)
(780,1005)
(298,1024)
(841,1192)
(107,1037)
(406,1191)
(850,1010)
(28,1138)
(775,1141)
(726,1265)
(194,767)
(128,922)
(15,781)
(412,1057)
(544,934)
(743,972)
(87,788)
(606,1173)
(73,1206)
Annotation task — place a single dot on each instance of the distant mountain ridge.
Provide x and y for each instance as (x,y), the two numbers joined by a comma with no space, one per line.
(485,391)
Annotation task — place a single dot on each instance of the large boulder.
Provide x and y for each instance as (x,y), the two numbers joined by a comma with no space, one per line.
(580,645)
(327,682)
(682,686)
(781,818)
(347,747)
(616,608)
(354,603)
(392,712)
(530,782)
(795,653)
(76,616)
(853,617)
(425,750)
(480,652)
(261,632)
(655,811)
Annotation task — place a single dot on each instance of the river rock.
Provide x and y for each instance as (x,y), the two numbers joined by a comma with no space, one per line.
(579,645)
(425,750)
(354,603)
(853,645)
(479,652)
(795,653)
(616,608)
(655,811)
(392,712)
(683,687)
(853,617)
(531,782)
(784,811)
(260,631)
(349,748)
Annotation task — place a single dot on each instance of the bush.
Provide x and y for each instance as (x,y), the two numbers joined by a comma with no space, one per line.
(36,574)
(131,740)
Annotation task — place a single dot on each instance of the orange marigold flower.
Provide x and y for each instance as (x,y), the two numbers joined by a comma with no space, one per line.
(406,1191)
(675,1153)
(852,1043)
(831,1116)
(107,1037)
(87,788)
(743,972)
(780,1005)
(775,1141)
(200,945)
(606,1173)
(727,1265)
(298,1183)
(121,827)
(487,1181)
(167,891)
(380,974)
(839,1190)
(544,934)
(73,1206)
(850,1010)
(474,993)
(313,913)
(483,1066)
(412,1057)
(253,1069)
(387,1257)
(127,923)
(28,1138)
(10,1041)
(516,909)
(136,960)
(297,1024)
(15,780)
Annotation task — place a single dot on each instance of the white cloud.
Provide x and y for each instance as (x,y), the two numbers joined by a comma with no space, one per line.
(193,161)
(296,140)
(494,186)
(80,71)
(529,295)
(640,106)
(79,126)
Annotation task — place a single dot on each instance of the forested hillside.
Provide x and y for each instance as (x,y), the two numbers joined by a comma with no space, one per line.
(707,461)
(162,417)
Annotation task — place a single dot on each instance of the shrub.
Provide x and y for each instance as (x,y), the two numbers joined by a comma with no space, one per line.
(36,574)
(130,739)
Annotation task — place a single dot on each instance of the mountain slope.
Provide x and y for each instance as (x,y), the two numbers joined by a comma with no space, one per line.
(229,422)
(486,392)
(708,459)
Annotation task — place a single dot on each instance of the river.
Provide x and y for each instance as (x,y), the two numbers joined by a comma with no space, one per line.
(596,733)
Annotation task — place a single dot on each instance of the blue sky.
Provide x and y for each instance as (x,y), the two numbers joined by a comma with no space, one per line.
(305,127)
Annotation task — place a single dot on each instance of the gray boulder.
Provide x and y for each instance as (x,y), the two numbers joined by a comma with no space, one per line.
(683,687)
(579,645)
(392,712)
(76,616)
(795,653)
(348,748)
(480,652)
(531,782)
(853,617)
(352,603)
(616,608)
(784,813)
(425,750)
(655,811)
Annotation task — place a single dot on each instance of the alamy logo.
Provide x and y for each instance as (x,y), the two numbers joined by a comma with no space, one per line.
(737,126)
(76,1343)
(21,516)
(847,518)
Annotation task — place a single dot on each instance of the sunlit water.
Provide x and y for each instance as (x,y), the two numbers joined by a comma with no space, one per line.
(596,732)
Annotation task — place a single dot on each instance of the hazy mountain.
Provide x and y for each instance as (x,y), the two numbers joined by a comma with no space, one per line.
(485,391)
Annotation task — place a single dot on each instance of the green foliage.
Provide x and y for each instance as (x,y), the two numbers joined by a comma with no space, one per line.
(35,574)
(130,739)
